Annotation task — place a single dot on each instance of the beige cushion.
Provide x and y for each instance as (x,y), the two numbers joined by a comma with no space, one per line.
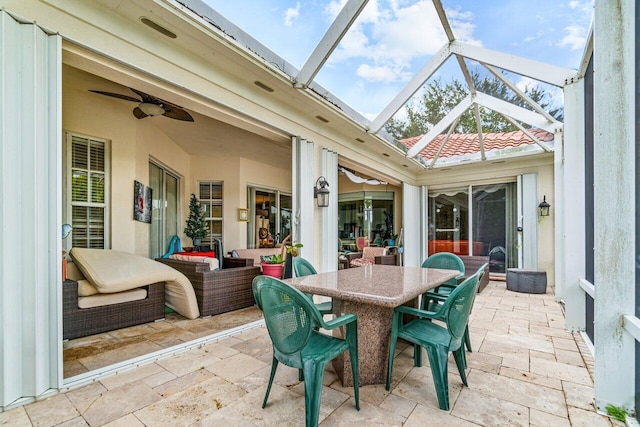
(255,254)
(371,252)
(214,264)
(108,299)
(86,289)
(73,272)
(113,271)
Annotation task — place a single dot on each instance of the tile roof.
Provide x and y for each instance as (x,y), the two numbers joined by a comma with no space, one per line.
(468,143)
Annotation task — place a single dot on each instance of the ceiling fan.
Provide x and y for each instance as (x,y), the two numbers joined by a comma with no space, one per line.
(151,106)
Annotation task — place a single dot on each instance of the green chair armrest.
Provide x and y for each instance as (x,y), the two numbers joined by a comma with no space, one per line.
(339,321)
(424,314)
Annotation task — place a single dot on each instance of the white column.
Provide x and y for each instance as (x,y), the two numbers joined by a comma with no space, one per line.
(303,202)
(411,225)
(574,206)
(329,216)
(614,180)
(558,215)
(30,211)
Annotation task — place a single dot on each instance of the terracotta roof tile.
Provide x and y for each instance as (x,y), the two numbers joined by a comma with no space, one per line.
(468,143)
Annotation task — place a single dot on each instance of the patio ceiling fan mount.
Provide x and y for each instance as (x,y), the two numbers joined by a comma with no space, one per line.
(150,106)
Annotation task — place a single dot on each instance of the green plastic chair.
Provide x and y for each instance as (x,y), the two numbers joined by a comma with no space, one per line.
(445,261)
(302,267)
(433,300)
(436,339)
(292,322)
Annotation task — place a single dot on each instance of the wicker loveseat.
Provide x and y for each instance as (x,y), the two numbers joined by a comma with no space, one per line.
(222,290)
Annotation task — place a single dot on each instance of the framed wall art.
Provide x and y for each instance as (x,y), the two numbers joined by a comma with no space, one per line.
(141,202)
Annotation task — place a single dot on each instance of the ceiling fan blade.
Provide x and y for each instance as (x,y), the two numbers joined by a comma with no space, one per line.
(116,95)
(139,113)
(146,97)
(177,113)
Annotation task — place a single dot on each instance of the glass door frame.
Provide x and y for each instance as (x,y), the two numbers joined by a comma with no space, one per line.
(163,186)
(251,203)
(431,210)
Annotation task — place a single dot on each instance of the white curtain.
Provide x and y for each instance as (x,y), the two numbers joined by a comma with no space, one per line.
(529,200)
(31,212)
(303,202)
(329,216)
(413,224)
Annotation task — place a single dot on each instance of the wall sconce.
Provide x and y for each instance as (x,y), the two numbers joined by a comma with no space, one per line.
(544,207)
(321,193)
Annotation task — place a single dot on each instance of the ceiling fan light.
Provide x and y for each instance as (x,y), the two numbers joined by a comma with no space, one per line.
(151,109)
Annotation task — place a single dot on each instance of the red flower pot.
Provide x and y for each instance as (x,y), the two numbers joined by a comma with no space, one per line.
(273,270)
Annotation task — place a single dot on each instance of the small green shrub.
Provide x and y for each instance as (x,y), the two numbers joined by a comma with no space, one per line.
(616,412)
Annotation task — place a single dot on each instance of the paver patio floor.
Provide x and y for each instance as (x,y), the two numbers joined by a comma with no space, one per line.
(525,370)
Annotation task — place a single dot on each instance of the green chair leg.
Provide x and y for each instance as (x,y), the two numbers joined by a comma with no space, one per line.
(467,340)
(461,363)
(438,360)
(313,373)
(274,366)
(417,355)
(353,355)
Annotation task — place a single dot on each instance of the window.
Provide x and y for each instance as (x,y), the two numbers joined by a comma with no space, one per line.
(365,214)
(211,200)
(270,214)
(87,192)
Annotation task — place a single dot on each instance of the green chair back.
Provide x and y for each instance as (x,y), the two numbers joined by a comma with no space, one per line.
(302,267)
(458,308)
(444,260)
(288,315)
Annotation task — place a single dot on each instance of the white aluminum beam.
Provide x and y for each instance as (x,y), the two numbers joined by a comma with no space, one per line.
(329,42)
(527,132)
(551,74)
(457,111)
(444,141)
(476,110)
(412,87)
(520,93)
(518,113)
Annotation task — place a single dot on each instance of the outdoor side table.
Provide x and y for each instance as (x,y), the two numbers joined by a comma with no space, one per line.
(527,281)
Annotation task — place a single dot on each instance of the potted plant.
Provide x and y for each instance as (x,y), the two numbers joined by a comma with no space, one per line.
(272,265)
(196,227)
(391,241)
(294,249)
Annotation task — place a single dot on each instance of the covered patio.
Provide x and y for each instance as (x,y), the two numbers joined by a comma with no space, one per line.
(265,130)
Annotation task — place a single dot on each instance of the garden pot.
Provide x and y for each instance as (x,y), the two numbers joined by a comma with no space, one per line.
(273,270)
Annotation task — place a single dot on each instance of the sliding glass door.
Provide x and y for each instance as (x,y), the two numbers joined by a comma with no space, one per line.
(164,209)
(476,220)
(270,217)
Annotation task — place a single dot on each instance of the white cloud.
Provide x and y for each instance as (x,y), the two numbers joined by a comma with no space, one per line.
(575,38)
(290,14)
(390,38)
(381,74)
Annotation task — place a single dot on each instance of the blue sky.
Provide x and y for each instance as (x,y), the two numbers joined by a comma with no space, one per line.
(393,39)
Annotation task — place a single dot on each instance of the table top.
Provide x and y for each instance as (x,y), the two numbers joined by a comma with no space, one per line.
(383,285)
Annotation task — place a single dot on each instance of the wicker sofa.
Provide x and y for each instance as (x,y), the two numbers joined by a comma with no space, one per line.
(222,290)
(472,264)
(80,322)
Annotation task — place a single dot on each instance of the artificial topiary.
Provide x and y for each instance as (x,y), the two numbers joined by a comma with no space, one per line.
(196,227)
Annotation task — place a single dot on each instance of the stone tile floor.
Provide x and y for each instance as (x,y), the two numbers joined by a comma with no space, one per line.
(525,370)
